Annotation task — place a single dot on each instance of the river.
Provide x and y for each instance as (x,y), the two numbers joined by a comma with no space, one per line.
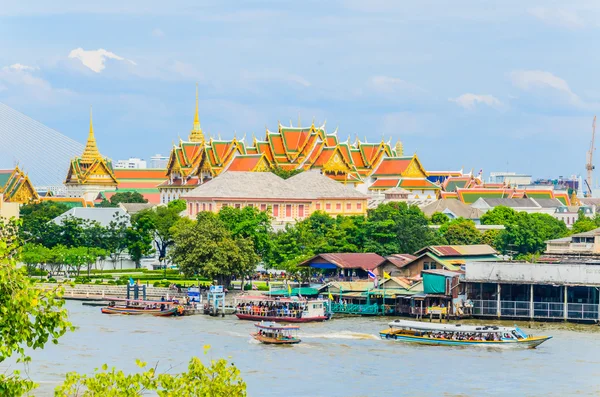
(341,357)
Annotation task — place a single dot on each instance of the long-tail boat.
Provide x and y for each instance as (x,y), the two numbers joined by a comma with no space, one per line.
(139,307)
(460,335)
(271,333)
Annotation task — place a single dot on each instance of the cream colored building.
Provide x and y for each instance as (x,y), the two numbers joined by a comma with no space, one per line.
(8,210)
(286,200)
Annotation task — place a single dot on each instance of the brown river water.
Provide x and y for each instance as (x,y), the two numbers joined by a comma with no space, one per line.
(341,357)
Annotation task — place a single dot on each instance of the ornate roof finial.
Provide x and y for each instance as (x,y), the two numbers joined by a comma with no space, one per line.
(399,148)
(90,153)
(299,120)
(196,134)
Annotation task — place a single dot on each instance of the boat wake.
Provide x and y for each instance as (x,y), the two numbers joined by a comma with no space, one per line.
(340,335)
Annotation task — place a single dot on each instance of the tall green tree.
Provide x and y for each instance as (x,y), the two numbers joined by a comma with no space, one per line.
(35,218)
(394,228)
(500,215)
(115,238)
(439,218)
(527,233)
(160,222)
(285,174)
(139,239)
(207,248)
(461,231)
(251,223)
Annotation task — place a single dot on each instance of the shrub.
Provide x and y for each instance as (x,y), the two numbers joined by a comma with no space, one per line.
(98,281)
(263,287)
(51,280)
(156,284)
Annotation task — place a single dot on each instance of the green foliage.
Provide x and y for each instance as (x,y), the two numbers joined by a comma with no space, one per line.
(123,197)
(398,228)
(499,216)
(159,221)
(527,233)
(219,379)
(177,205)
(490,237)
(584,223)
(35,218)
(138,239)
(285,174)
(439,218)
(460,231)
(30,317)
(207,248)
(250,223)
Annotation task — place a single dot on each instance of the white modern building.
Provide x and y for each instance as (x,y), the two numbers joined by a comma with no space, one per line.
(132,163)
(510,178)
(159,161)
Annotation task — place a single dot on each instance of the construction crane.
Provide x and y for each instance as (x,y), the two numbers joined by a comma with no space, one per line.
(589,166)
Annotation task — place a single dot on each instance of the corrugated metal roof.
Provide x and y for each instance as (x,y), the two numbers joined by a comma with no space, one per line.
(365,261)
(459,250)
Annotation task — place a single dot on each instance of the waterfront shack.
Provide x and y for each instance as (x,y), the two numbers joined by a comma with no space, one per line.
(344,266)
(445,257)
(558,289)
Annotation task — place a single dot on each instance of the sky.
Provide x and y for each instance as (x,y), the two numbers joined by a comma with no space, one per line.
(494,85)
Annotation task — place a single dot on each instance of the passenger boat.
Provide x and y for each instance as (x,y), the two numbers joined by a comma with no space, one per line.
(289,310)
(460,335)
(137,307)
(271,333)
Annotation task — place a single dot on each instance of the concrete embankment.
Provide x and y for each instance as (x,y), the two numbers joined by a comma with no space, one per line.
(99,292)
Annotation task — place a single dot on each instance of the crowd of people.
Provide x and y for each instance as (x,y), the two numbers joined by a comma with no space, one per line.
(466,336)
(271,309)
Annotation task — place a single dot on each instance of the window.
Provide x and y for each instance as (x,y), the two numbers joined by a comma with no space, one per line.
(276,210)
(224,205)
(359,206)
(338,206)
(250,205)
(432,265)
(288,211)
(238,206)
(263,207)
(190,208)
(301,211)
(197,207)
(318,206)
(348,206)
(203,206)
(210,206)
(328,206)
(425,265)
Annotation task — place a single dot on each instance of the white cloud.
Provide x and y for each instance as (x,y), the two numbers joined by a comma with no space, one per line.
(18,66)
(158,33)
(558,17)
(96,59)
(535,79)
(469,101)
(387,84)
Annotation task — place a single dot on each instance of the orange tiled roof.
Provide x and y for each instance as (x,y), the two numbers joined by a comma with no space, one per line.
(392,166)
(384,184)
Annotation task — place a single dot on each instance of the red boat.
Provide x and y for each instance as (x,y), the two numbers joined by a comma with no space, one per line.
(289,310)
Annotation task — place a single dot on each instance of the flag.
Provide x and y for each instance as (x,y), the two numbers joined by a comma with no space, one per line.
(330,297)
(371,275)
(386,275)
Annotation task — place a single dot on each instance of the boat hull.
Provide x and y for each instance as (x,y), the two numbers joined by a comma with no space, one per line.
(529,343)
(139,312)
(274,341)
(280,319)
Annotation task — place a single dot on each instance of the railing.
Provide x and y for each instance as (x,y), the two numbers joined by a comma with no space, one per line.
(548,310)
(353,308)
(485,308)
(575,311)
(514,308)
(582,311)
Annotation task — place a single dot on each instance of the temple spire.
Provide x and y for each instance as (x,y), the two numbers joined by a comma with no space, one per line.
(196,134)
(399,149)
(90,153)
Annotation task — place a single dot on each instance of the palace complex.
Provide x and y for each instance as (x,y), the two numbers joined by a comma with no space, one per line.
(369,167)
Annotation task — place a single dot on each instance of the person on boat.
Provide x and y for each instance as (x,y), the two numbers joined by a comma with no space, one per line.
(111,304)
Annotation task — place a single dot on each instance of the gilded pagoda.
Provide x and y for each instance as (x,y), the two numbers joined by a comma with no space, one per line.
(370,167)
(90,174)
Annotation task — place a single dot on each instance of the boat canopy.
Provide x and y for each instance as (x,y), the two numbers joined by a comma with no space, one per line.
(274,326)
(422,326)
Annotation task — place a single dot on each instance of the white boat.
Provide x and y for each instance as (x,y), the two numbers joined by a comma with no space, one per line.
(460,335)
(289,310)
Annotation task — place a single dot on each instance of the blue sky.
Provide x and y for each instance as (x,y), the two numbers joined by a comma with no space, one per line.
(504,85)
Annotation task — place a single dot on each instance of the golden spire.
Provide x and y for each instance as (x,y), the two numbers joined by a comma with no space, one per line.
(196,134)
(399,148)
(90,153)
